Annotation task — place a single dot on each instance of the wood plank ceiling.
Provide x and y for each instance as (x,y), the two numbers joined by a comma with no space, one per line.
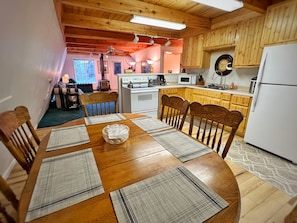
(103,26)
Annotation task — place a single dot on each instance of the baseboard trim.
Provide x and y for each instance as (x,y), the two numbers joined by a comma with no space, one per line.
(9,169)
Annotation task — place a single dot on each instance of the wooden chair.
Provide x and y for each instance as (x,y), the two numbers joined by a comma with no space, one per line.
(19,136)
(9,194)
(174,110)
(8,218)
(214,125)
(99,103)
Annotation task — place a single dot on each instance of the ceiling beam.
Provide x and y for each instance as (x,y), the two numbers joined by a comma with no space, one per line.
(259,6)
(81,21)
(143,9)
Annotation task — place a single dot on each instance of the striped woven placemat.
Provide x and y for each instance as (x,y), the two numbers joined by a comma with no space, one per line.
(180,145)
(173,196)
(68,136)
(63,181)
(150,124)
(98,119)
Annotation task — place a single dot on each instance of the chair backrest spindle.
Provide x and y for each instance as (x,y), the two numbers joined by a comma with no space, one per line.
(99,103)
(174,110)
(19,136)
(213,124)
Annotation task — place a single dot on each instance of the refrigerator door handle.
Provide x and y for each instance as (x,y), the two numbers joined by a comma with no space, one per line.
(259,82)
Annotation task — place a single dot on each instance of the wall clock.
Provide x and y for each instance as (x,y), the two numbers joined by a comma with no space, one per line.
(223,65)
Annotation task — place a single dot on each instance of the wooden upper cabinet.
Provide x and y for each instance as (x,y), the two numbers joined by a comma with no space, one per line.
(220,38)
(280,24)
(248,50)
(193,55)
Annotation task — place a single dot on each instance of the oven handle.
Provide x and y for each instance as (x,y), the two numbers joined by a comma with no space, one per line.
(142,90)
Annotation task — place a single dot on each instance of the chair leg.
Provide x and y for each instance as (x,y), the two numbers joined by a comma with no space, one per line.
(6,215)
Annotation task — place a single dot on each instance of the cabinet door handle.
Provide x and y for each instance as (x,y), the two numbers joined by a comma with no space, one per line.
(259,82)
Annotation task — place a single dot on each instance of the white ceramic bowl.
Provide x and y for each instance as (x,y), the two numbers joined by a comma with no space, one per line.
(116,133)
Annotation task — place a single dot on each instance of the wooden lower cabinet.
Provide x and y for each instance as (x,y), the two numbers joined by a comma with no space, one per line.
(225,100)
(170,91)
(242,104)
(204,96)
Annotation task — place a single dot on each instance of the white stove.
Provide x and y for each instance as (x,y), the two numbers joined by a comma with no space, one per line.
(138,97)
(136,82)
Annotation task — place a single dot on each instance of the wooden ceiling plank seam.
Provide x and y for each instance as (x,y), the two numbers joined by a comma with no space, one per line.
(143,9)
(119,26)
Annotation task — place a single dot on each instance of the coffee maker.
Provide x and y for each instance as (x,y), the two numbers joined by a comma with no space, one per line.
(161,79)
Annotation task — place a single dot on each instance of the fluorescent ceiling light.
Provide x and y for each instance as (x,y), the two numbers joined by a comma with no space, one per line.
(226,5)
(157,22)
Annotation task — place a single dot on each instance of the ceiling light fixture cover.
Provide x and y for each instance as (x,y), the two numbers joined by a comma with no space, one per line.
(150,62)
(226,5)
(157,22)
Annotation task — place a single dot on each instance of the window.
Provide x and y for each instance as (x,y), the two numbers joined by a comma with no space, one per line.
(84,71)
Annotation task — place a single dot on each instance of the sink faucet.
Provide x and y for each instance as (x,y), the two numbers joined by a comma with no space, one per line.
(221,75)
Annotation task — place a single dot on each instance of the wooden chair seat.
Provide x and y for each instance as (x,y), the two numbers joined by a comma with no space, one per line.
(19,136)
(214,125)
(99,103)
(174,110)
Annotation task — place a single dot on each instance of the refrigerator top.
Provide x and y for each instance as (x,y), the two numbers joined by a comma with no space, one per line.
(279,65)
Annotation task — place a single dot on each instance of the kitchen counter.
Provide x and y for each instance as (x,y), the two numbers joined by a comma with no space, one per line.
(240,90)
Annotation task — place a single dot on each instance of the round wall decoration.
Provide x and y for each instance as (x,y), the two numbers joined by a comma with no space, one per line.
(223,65)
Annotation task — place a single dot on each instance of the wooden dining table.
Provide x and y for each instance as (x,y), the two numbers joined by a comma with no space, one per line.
(120,165)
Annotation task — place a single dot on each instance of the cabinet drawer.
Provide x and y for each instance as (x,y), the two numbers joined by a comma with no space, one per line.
(226,97)
(169,91)
(225,104)
(240,100)
(242,109)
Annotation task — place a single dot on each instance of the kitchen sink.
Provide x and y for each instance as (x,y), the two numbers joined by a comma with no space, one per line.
(215,86)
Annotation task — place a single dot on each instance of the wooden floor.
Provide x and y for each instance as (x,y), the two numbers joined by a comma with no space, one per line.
(260,202)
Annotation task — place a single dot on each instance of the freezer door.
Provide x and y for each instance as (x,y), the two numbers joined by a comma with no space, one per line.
(272,125)
(280,64)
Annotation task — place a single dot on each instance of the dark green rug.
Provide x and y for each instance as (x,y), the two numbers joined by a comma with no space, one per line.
(54,116)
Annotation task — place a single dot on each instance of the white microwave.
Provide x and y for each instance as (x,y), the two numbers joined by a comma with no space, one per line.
(187,79)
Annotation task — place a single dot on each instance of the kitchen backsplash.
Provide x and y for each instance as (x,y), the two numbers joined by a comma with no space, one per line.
(239,76)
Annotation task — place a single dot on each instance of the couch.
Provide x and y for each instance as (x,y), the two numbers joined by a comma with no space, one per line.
(67,95)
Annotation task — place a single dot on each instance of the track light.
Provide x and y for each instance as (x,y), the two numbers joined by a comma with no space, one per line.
(152,41)
(136,39)
(168,43)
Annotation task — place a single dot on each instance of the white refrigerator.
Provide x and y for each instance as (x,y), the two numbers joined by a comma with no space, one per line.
(272,123)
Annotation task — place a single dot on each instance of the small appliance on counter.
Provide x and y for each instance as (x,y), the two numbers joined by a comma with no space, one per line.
(200,80)
(187,79)
(161,79)
(253,85)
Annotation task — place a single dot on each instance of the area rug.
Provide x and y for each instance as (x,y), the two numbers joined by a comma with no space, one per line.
(277,171)
(54,117)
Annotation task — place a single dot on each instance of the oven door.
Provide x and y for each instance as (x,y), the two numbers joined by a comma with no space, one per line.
(141,100)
